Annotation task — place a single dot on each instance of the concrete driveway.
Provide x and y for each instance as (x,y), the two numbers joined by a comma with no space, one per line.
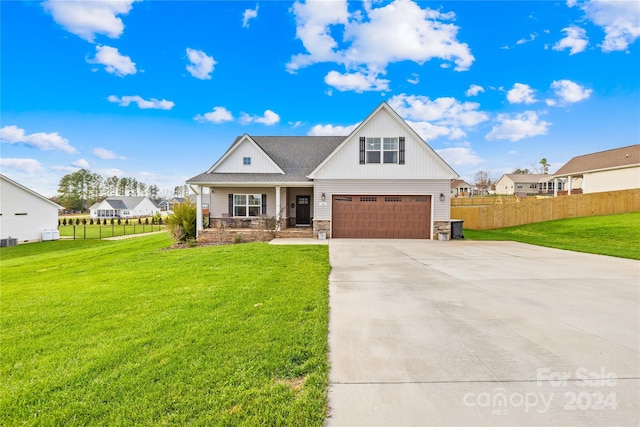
(481,333)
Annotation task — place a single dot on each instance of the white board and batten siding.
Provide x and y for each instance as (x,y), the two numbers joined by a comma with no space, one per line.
(433,188)
(233,162)
(420,160)
(24,214)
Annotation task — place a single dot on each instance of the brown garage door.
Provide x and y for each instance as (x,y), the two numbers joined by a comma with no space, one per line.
(382,217)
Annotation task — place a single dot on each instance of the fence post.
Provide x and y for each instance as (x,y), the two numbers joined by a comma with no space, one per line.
(85,232)
(100,231)
(74,232)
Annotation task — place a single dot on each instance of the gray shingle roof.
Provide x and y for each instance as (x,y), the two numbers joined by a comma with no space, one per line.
(126,202)
(297,156)
(617,157)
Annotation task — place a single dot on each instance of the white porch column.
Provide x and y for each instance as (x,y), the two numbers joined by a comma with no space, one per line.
(569,185)
(198,191)
(277,208)
(555,187)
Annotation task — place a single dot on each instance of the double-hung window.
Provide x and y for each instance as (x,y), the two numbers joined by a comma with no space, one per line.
(247,204)
(390,150)
(382,150)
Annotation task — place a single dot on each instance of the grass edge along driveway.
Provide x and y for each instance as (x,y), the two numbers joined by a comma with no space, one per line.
(614,235)
(129,333)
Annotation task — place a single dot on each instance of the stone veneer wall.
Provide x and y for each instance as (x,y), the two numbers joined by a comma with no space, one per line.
(441,227)
(321,225)
(225,236)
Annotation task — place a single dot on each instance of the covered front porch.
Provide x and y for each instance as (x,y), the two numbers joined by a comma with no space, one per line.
(255,212)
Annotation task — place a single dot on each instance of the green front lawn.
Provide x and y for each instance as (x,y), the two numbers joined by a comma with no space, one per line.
(95,231)
(615,235)
(129,333)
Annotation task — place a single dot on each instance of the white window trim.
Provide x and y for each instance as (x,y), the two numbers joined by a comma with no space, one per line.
(382,150)
(246,205)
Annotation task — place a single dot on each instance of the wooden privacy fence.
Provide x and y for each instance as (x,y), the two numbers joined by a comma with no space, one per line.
(483,200)
(530,210)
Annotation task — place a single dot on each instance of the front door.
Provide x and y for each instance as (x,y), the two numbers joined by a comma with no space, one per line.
(303,210)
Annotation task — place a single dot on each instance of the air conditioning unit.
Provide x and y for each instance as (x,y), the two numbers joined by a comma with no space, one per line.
(8,242)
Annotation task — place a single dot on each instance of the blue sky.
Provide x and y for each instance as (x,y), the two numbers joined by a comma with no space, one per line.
(157,90)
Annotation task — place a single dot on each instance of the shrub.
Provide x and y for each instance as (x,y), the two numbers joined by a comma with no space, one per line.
(126,221)
(237,238)
(77,221)
(104,222)
(84,221)
(58,222)
(64,221)
(146,221)
(112,221)
(119,221)
(182,223)
(139,220)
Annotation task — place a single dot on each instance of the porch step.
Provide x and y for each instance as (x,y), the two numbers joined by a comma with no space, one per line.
(301,232)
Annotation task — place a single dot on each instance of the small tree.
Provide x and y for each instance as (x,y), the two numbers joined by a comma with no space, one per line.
(104,222)
(146,221)
(77,221)
(182,223)
(126,221)
(64,221)
(91,221)
(139,220)
(119,221)
(84,221)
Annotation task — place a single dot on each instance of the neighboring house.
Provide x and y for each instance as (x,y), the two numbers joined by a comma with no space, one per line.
(174,201)
(25,214)
(524,184)
(124,207)
(381,181)
(461,188)
(610,170)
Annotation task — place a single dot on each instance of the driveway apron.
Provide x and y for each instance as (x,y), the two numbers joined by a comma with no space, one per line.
(466,333)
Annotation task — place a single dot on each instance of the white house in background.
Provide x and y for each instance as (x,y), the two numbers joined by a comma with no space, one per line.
(524,184)
(461,188)
(25,214)
(610,170)
(381,181)
(124,207)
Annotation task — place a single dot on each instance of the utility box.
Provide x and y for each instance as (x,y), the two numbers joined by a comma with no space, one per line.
(456,229)
(46,235)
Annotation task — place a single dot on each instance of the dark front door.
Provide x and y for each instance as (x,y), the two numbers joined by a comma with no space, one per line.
(303,210)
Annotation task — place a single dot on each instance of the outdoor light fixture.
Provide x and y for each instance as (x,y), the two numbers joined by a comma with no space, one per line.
(442,197)
(323,197)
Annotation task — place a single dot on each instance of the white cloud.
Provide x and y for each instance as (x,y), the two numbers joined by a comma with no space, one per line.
(143,104)
(459,155)
(575,40)
(620,21)
(358,82)
(438,117)
(201,65)
(269,118)
(248,15)
(474,90)
(331,130)
(531,38)
(569,91)
(24,165)
(414,79)
(113,61)
(517,127)
(88,18)
(104,154)
(81,163)
(43,141)
(521,94)
(373,38)
(217,115)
